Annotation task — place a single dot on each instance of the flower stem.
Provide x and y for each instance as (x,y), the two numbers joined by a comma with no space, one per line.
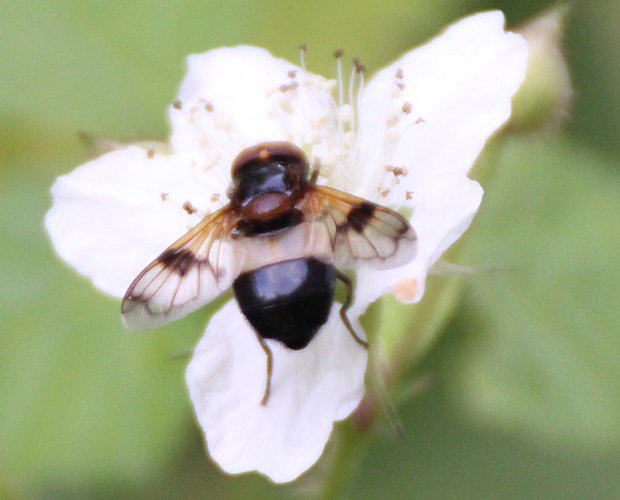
(353,437)
(404,334)
(349,448)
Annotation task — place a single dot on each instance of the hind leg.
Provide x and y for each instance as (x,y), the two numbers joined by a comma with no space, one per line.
(345,306)
(265,347)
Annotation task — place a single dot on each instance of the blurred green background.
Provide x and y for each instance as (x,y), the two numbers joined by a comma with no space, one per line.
(524,392)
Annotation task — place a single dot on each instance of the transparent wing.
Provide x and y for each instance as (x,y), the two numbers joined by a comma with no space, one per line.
(361,232)
(190,273)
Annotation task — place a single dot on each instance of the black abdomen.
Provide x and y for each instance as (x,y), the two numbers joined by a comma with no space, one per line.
(288,301)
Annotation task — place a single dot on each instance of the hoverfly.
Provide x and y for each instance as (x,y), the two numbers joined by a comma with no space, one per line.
(280,243)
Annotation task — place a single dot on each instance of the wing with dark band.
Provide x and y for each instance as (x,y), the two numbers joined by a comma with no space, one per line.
(190,273)
(361,232)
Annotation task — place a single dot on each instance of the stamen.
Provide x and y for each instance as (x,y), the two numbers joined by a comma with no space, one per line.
(150,154)
(338,55)
(292,74)
(189,208)
(360,86)
(209,107)
(303,48)
(359,67)
(397,171)
(177,104)
(351,86)
(164,196)
(399,74)
(407,107)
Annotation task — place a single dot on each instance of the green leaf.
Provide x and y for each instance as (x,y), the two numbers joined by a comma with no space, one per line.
(543,337)
(81,397)
(442,456)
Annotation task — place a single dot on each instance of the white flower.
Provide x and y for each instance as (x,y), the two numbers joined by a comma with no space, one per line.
(406,139)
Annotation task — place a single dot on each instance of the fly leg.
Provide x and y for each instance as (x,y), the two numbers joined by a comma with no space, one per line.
(345,306)
(265,347)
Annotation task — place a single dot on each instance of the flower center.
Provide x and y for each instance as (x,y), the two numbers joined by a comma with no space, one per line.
(349,139)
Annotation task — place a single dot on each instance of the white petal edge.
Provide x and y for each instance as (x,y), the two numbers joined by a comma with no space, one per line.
(444,210)
(108,219)
(311,389)
(460,84)
(241,87)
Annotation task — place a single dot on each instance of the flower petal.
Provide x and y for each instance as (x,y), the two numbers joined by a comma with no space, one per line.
(311,388)
(113,215)
(232,98)
(433,110)
(444,210)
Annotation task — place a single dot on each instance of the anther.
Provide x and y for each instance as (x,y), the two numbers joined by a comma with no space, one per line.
(359,67)
(397,171)
(399,74)
(189,208)
(177,104)
(164,196)
(283,88)
(338,53)
(150,154)
(215,197)
(303,47)
(401,85)
(409,195)
(292,74)
(420,120)
(407,107)
(293,85)
(209,107)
